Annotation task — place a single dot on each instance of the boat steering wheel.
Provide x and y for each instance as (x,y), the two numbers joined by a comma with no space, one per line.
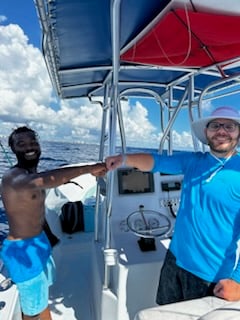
(148,223)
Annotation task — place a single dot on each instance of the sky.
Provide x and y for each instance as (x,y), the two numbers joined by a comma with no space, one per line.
(28,98)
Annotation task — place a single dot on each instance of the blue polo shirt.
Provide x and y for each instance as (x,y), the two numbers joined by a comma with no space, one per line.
(207,226)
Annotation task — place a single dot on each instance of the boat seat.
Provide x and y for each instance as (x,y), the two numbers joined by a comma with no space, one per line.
(208,308)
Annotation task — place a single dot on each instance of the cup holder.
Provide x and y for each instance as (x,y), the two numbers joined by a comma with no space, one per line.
(2,304)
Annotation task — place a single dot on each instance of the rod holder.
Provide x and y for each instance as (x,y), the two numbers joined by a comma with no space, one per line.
(110,257)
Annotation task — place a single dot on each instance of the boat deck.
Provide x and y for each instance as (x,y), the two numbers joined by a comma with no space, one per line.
(70,295)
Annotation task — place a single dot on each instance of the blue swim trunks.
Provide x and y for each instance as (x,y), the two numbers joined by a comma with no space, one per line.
(34,293)
(31,266)
(26,258)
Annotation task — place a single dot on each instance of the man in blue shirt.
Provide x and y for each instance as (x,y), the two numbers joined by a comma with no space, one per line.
(202,258)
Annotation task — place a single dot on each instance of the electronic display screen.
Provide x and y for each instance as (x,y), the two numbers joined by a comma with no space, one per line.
(132,181)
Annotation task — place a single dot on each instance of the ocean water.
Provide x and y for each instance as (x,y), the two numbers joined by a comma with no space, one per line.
(54,155)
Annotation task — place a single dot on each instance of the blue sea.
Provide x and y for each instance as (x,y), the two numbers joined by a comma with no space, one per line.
(54,155)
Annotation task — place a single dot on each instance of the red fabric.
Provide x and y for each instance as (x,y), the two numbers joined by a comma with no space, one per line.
(168,42)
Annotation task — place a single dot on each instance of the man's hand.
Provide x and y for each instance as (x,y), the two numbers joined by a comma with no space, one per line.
(227,289)
(114,162)
(98,169)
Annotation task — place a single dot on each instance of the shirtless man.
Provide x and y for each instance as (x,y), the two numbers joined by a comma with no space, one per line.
(26,251)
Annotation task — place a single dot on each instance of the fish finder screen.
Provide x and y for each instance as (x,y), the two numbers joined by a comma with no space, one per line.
(132,181)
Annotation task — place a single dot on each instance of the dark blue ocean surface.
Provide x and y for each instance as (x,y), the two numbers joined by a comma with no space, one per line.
(54,155)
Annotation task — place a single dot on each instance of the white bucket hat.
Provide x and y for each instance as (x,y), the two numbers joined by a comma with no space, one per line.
(199,126)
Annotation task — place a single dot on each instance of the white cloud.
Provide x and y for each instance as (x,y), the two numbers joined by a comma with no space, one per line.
(182,141)
(25,88)
(138,128)
(141,132)
(27,97)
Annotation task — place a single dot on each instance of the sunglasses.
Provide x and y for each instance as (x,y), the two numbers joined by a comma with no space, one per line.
(229,127)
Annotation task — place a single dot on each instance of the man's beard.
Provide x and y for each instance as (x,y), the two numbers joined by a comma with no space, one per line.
(222,149)
(27,163)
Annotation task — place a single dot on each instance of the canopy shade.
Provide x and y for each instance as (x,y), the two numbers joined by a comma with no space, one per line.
(156,45)
(188,38)
(200,39)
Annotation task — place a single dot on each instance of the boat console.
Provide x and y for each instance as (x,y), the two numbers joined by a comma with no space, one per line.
(145,203)
(144,209)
